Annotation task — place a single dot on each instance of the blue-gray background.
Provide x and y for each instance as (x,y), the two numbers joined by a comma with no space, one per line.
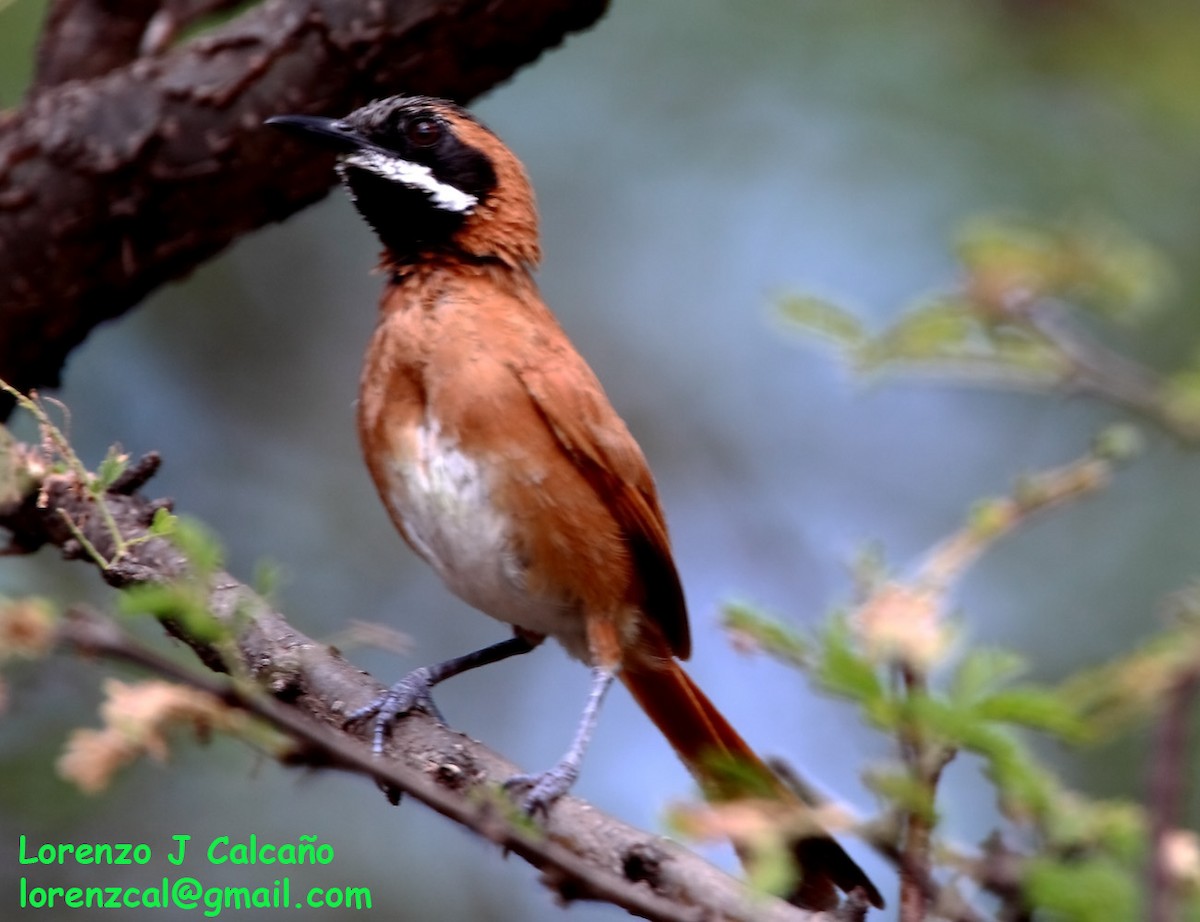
(694,159)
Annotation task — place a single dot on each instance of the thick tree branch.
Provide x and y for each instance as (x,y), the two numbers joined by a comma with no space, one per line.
(112,186)
(83,39)
(584,854)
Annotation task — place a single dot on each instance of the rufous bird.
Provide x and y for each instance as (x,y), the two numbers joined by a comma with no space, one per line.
(503,464)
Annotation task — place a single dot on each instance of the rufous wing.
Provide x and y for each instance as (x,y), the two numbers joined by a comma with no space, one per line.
(569,398)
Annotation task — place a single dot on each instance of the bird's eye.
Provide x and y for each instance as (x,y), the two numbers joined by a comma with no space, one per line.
(423,132)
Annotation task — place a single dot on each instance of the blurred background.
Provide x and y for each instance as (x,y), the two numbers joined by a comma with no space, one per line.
(694,160)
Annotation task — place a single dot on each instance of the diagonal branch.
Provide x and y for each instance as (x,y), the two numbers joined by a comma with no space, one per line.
(112,186)
(583,854)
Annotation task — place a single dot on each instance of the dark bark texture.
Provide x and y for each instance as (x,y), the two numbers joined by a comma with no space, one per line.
(115,183)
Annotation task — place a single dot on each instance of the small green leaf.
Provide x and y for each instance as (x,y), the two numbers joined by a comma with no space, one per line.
(752,628)
(936,330)
(1036,708)
(940,720)
(843,671)
(183,602)
(1180,399)
(164,523)
(984,671)
(1118,443)
(267,577)
(903,791)
(112,467)
(1106,268)
(771,867)
(198,544)
(824,319)
(1023,351)
(1089,890)
(989,518)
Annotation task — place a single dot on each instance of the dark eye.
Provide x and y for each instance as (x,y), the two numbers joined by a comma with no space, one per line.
(423,132)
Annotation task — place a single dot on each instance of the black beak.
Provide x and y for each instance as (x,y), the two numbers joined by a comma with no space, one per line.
(332,132)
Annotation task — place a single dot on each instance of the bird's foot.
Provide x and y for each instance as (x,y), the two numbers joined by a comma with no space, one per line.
(538,793)
(410,693)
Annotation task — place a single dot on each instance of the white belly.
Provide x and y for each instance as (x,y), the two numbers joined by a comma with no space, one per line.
(443,497)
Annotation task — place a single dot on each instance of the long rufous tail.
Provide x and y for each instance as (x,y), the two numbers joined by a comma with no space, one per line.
(728,769)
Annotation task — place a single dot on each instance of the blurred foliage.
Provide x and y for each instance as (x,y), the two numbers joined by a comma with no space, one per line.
(183,601)
(1016,317)
(1088,861)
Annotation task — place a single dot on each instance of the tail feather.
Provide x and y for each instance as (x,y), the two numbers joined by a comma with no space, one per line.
(726,769)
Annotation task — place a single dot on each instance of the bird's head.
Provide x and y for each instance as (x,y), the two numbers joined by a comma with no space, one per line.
(430,178)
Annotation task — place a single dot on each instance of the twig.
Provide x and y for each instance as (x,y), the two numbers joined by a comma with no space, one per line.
(1096,369)
(925,764)
(950,559)
(884,835)
(900,623)
(1167,794)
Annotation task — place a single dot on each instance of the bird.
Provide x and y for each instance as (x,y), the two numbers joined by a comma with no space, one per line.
(503,464)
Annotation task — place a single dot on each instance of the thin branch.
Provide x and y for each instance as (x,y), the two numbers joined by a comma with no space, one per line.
(997,518)
(925,764)
(1168,794)
(1095,369)
(884,835)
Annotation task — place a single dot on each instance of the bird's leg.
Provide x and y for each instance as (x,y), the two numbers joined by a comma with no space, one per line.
(412,691)
(542,790)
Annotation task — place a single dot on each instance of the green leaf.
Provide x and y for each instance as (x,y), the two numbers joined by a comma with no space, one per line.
(164,523)
(1107,268)
(936,330)
(771,867)
(941,721)
(198,545)
(841,670)
(1036,708)
(267,577)
(1118,443)
(1090,890)
(984,671)
(112,467)
(1024,351)
(1026,791)
(822,318)
(753,628)
(183,602)
(1180,398)
(903,791)
(989,518)
(1092,262)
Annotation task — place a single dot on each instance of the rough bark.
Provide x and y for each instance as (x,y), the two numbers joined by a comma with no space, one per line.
(113,185)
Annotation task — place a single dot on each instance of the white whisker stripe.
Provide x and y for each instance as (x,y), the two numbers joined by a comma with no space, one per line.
(415,176)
